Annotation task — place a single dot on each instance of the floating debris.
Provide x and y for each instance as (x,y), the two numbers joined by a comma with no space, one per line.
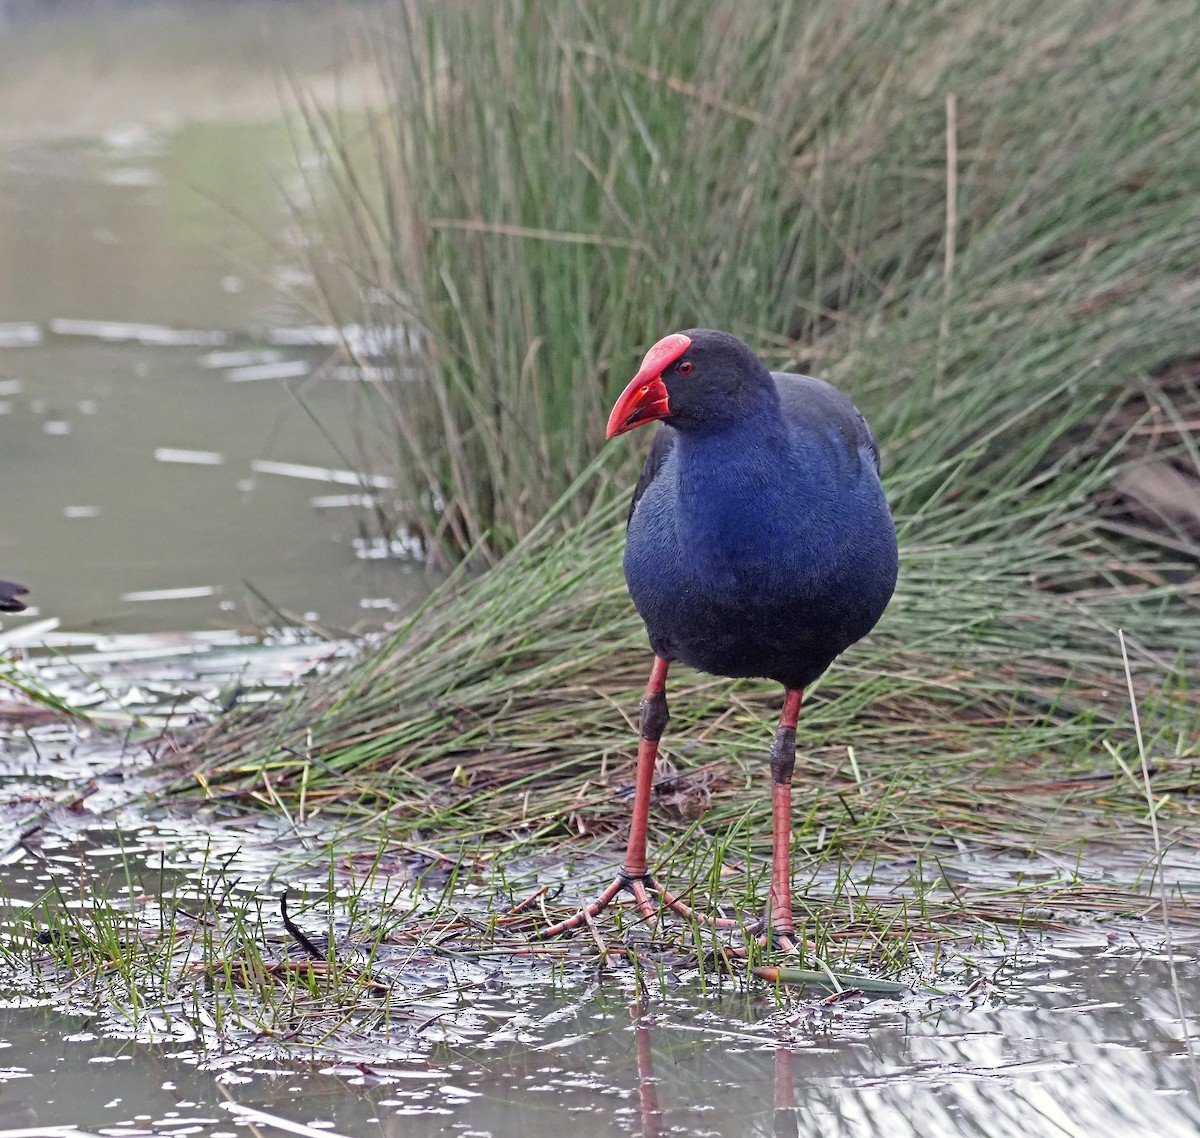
(21,335)
(244,358)
(168,594)
(838,981)
(379,603)
(403,546)
(283,369)
(195,457)
(340,501)
(322,474)
(114,331)
(25,634)
(359,339)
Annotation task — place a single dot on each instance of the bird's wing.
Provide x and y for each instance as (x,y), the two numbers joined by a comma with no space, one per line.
(9,592)
(664,440)
(803,397)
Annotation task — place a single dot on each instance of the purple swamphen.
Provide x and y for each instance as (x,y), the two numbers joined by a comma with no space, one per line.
(760,544)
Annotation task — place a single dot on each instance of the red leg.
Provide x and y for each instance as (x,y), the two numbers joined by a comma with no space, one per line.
(637,867)
(651,722)
(652,719)
(778,927)
(783,760)
(635,876)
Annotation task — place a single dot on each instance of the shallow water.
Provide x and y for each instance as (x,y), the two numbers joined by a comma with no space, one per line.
(1074,1029)
(169,442)
(1076,1033)
(1072,1042)
(153,446)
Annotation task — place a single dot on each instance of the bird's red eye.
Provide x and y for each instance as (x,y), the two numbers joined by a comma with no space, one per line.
(685,367)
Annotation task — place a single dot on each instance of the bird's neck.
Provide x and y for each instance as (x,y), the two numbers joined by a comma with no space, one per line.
(728,482)
(731,482)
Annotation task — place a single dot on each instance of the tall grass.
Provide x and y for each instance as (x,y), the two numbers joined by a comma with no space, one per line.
(554,184)
(559,183)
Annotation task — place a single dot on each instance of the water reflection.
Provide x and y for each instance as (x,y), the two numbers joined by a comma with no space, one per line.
(1098,1055)
(1033,1065)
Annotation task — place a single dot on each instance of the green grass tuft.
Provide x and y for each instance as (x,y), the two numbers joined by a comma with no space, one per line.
(587,184)
(553,185)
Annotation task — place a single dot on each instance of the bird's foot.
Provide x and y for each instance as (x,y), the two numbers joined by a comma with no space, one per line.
(761,939)
(774,931)
(775,938)
(643,887)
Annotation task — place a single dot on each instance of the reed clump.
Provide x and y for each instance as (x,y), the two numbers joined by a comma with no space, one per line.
(981,221)
(551,186)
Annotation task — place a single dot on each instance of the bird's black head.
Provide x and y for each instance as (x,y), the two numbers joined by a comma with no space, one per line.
(699,379)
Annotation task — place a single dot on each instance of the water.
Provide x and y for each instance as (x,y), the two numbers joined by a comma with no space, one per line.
(1075,1043)
(153,483)
(152,288)
(1072,1030)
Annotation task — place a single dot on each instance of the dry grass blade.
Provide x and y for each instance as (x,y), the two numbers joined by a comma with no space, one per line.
(1159,852)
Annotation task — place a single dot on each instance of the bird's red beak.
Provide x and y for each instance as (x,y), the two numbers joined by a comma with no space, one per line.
(645,399)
